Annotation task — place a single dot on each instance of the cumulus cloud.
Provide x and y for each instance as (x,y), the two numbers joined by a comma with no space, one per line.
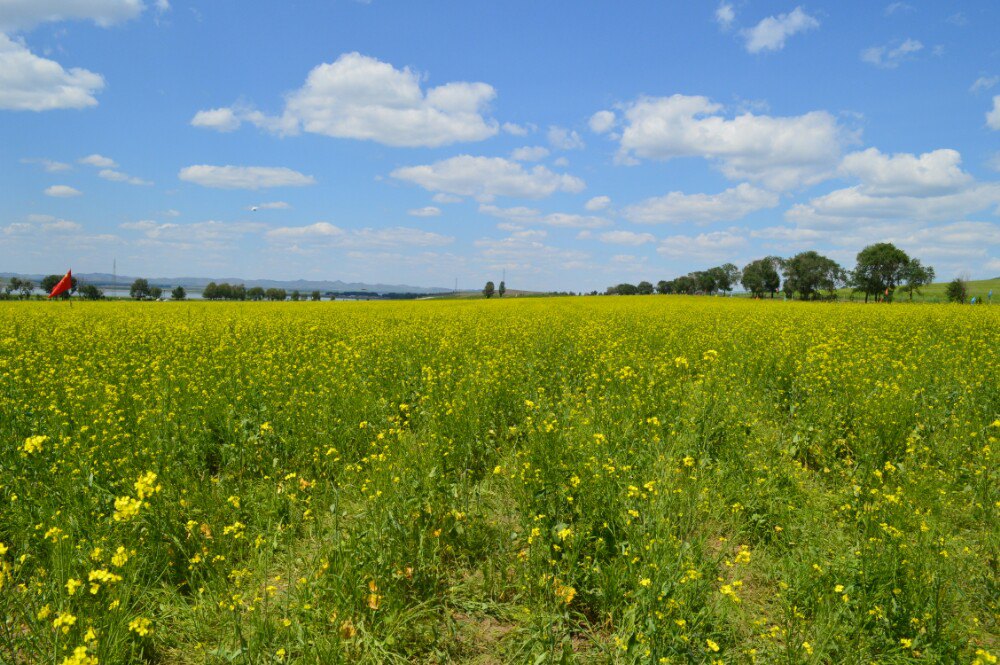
(602,122)
(62,191)
(360,97)
(527,254)
(725,15)
(426,211)
(710,247)
(98,161)
(890,57)
(770,34)
(25,14)
(221,120)
(930,174)
(514,129)
(244,177)
(211,232)
(993,117)
(485,178)
(626,238)
(530,216)
(597,203)
(31,83)
(441,197)
(329,235)
(118,176)
(561,138)
(530,153)
(35,224)
(676,207)
(780,152)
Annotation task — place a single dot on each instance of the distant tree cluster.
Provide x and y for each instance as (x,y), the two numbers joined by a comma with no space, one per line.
(881,270)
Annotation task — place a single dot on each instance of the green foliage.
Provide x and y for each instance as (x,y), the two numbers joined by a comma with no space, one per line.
(488,290)
(880,269)
(809,273)
(139,289)
(178,293)
(91,292)
(957,290)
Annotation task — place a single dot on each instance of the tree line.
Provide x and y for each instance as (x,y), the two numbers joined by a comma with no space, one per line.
(881,270)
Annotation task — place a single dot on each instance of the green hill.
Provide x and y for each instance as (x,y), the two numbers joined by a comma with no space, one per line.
(979,288)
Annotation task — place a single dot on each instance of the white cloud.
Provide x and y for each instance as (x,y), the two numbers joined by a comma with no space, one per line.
(47,164)
(514,129)
(677,207)
(25,14)
(329,235)
(770,34)
(527,255)
(426,211)
(984,83)
(221,120)
(530,153)
(993,117)
(32,83)
(597,203)
(118,176)
(780,152)
(529,216)
(855,206)
(210,232)
(441,197)
(98,161)
(602,122)
(716,246)
(626,238)
(890,58)
(62,191)
(564,139)
(360,97)
(488,177)
(270,205)
(930,174)
(34,224)
(725,15)
(244,177)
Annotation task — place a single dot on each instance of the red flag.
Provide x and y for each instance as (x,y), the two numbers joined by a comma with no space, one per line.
(64,285)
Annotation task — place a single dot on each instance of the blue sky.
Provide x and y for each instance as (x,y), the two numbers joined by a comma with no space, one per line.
(572,145)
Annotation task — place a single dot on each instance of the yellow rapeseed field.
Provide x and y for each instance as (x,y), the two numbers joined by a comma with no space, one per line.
(605,480)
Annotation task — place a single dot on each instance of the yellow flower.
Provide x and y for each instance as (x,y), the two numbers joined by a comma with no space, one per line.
(146,485)
(80,657)
(712,646)
(141,626)
(126,508)
(33,444)
(72,585)
(64,620)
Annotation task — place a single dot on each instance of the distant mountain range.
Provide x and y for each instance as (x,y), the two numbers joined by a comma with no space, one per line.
(105,280)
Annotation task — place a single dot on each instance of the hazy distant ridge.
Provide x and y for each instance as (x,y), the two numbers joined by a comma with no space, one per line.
(198,283)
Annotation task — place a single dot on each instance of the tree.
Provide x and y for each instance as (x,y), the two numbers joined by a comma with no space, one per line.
(916,276)
(685,284)
(488,290)
(664,287)
(704,281)
(881,267)
(296,295)
(25,288)
(761,276)
(808,273)
(211,291)
(957,290)
(315,296)
(91,292)
(644,288)
(139,289)
(502,290)
(13,285)
(178,293)
(256,293)
(275,294)
(49,282)
(155,292)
